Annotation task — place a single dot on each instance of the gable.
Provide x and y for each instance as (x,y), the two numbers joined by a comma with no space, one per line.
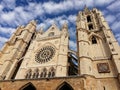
(53,30)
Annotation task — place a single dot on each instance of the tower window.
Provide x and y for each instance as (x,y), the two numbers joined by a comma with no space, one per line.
(89,19)
(51,34)
(94,41)
(90,26)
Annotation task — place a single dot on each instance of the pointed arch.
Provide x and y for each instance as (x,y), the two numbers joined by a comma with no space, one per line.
(43,73)
(51,72)
(64,86)
(36,73)
(94,40)
(95,35)
(28,74)
(28,86)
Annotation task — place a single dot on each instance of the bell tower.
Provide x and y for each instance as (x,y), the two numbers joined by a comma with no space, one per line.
(98,50)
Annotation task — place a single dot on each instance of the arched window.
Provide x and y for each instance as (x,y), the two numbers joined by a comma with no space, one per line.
(51,72)
(36,73)
(94,41)
(90,26)
(29,73)
(89,19)
(65,86)
(43,73)
(28,86)
(51,34)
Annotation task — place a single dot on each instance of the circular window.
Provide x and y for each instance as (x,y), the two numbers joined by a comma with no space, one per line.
(45,54)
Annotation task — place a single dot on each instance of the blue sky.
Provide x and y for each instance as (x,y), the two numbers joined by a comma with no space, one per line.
(19,12)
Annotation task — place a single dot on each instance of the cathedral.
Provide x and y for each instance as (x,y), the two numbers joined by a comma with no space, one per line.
(42,60)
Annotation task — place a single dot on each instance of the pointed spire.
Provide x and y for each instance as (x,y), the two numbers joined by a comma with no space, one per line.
(40,30)
(65,25)
(86,8)
(65,29)
(33,22)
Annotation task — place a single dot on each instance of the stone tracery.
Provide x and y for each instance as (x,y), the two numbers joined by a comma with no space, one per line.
(45,54)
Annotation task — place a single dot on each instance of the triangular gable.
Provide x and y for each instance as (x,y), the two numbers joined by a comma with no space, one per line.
(52,28)
(94,34)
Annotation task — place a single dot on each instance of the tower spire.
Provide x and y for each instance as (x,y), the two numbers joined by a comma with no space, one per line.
(86,9)
(65,25)
(40,30)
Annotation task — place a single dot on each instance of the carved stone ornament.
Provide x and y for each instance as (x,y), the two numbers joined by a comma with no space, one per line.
(45,54)
(103,68)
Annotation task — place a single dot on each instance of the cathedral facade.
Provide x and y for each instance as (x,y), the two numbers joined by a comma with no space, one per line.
(38,60)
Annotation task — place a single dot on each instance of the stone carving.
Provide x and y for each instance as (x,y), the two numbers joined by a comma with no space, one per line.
(45,54)
(103,68)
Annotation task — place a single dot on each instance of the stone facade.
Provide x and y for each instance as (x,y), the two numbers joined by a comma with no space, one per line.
(42,60)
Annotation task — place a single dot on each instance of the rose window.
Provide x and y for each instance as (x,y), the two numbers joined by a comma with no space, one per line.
(45,54)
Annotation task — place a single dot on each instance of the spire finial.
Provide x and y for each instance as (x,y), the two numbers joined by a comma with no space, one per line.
(65,25)
(41,30)
(86,8)
(33,22)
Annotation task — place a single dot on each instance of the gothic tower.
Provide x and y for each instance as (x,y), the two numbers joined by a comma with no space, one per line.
(47,54)
(98,50)
(14,50)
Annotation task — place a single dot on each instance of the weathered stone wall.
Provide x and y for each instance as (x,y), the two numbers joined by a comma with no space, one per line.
(77,83)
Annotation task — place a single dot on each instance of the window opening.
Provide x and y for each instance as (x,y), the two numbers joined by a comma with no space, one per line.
(51,34)
(90,26)
(94,41)
(89,19)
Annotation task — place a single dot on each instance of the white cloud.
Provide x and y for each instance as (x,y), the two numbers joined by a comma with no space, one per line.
(7,30)
(72,32)
(110,18)
(114,6)
(1,7)
(22,15)
(58,21)
(72,18)
(72,45)
(8,3)
(41,25)
(2,41)
(52,7)
(102,2)
(8,16)
(117,36)
(116,26)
